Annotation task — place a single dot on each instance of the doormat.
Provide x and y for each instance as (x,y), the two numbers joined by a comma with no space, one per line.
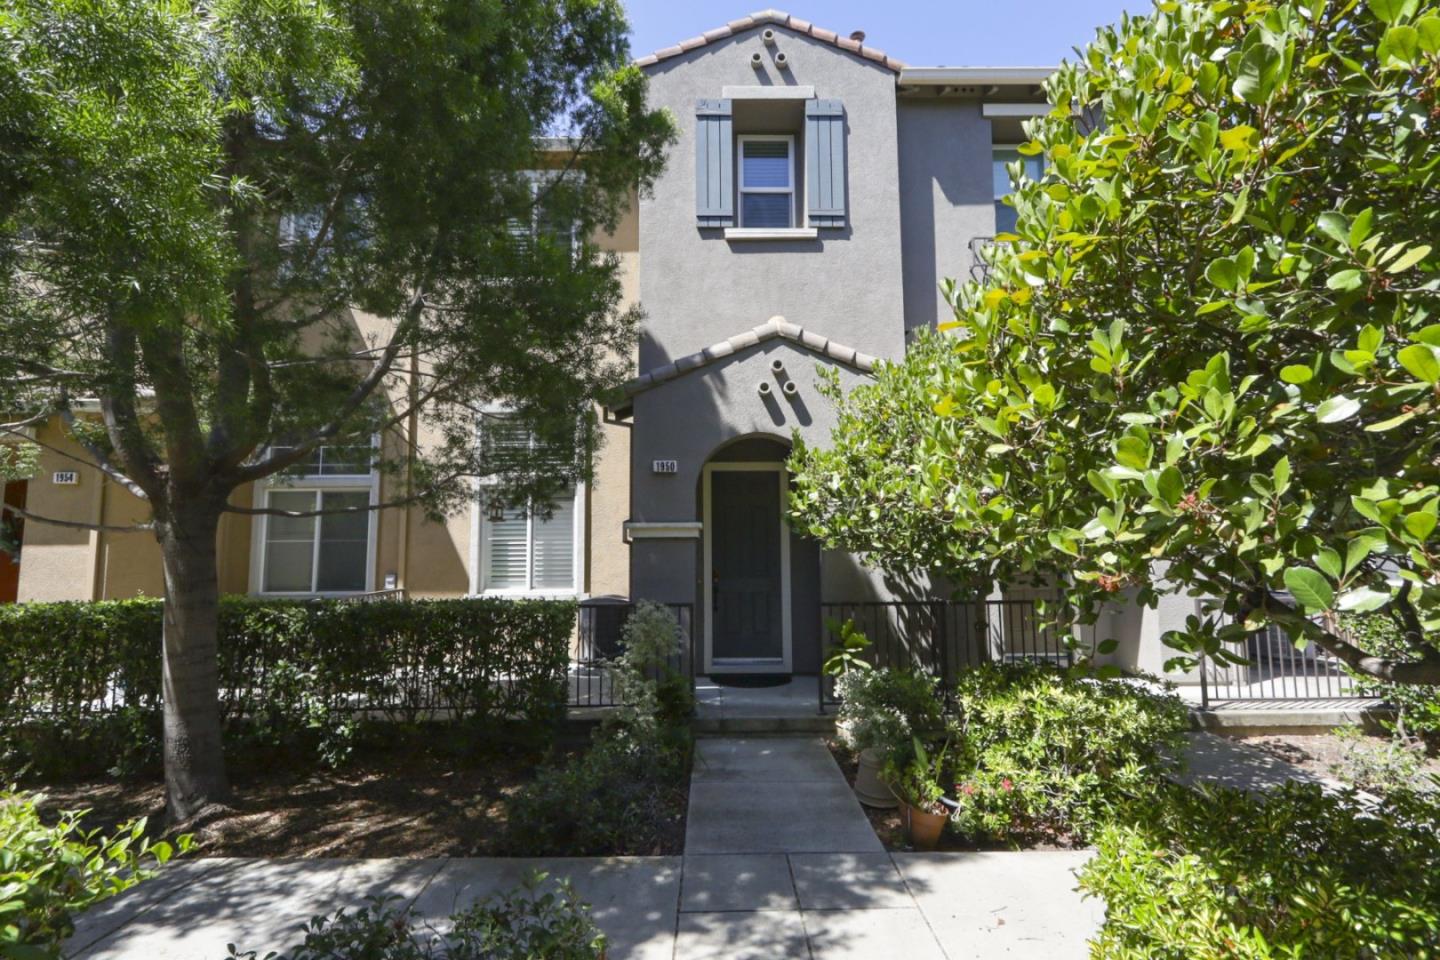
(751,679)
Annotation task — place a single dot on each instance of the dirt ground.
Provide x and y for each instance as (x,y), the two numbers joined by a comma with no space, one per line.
(890,827)
(400,801)
(1326,754)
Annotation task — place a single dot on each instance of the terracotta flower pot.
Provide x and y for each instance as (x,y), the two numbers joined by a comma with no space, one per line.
(924,828)
(869,788)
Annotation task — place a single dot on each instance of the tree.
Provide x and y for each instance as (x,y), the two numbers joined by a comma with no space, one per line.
(248,229)
(1207,359)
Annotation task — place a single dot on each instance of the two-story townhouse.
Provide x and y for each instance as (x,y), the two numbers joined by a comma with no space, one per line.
(819,193)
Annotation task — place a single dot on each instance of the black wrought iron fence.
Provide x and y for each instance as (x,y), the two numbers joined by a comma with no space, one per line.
(599,639)
(944,637)
(1277,670)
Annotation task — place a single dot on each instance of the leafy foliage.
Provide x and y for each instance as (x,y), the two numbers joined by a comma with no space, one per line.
(51,873)
(532,921)
(1038,751)
(886,709)
(1417,708)
(1288,873)
(80,682)
(643,670)
(1207,359)
(624,796)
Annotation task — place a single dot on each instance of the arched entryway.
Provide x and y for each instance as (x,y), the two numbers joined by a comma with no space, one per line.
(759,582)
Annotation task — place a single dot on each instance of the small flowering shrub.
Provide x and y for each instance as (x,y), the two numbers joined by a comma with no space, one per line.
(887,709)
(1043,752)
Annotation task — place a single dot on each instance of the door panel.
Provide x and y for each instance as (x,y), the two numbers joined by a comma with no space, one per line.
(745,565)
(13,527)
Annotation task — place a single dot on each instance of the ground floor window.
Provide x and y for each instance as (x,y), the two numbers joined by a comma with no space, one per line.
(523,551)
(330,553)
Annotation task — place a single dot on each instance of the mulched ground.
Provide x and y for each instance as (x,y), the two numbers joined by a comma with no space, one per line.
(1324,754)
(889,826)
(406,799)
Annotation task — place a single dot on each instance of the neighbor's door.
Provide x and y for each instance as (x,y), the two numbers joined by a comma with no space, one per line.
(745,567)
(12,532)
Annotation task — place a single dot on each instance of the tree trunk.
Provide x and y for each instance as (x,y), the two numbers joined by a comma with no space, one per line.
(194,754)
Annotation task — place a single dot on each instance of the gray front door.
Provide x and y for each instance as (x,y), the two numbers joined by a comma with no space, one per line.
(745,566)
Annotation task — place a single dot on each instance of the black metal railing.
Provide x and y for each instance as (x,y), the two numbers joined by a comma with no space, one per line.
(599,640)
(1277,671)
(944,637)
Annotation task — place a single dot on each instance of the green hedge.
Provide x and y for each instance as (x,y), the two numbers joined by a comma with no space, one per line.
(1292,873)
(83,679)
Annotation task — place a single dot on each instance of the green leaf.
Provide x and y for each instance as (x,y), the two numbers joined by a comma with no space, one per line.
(1362,600)
(1309,588)
(1329,561)
(1360,227)
(1400,47)
(1428,29)
(1240,139)
(1408,259)
(1336,409)
(1420,525)
(1296,373)
(1391,11)
(1103,484)
(1259,73)
(1346,280)
(1170,485)
(1282,474)
(1223,273)
(1422,361)
(1334,225)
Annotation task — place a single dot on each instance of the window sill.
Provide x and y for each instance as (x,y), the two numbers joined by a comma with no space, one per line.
(528,595)
(763,233)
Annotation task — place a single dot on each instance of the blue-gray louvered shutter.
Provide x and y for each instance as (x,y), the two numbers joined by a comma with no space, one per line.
(825,163)
(714,164)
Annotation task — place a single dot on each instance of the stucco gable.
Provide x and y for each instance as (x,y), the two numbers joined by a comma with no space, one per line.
(776,18)
(775,327)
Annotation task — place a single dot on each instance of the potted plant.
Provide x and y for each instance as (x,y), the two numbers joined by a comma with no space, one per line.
(915,778)
(880,711)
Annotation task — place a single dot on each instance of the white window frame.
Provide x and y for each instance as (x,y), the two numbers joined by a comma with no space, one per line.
(793,191)
(368,483)
(996,148)
(479,540)
(538,178)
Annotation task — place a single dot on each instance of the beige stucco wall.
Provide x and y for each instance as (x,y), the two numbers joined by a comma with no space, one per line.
(428,558)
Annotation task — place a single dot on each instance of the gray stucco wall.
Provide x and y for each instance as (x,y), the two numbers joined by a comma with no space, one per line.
(698,288)
(946,198)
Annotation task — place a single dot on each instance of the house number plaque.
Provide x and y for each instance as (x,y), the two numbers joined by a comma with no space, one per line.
(66,478)
(664,466)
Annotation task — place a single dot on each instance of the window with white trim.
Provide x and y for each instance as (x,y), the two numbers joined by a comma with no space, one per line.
(1032,167)
(317,554)
(542,219)
(767,181)
(522,550)
(331,551)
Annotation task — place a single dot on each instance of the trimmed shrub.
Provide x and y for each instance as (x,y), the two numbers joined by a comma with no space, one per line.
(527,923)
(621,797)
(49,874)
(1039,751)
(80,682)
(1290,873)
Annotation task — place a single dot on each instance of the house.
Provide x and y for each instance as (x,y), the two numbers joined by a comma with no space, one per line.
(818,194)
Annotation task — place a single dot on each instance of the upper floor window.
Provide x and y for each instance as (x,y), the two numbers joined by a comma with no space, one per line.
(767,182)
(1033,168)
(543,219)
(328,460)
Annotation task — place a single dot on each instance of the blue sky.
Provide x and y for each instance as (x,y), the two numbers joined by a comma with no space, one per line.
(919,32)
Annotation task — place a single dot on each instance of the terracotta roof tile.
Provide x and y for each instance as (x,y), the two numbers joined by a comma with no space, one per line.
(778,18)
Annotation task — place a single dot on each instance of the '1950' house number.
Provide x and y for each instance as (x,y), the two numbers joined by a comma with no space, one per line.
(665,466)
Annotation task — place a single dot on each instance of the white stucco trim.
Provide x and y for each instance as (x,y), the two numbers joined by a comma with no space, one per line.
(998,110)
(663,530)
(767,665)
(756,92)
(762,233)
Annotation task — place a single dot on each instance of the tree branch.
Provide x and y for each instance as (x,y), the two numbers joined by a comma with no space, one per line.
(74,524)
